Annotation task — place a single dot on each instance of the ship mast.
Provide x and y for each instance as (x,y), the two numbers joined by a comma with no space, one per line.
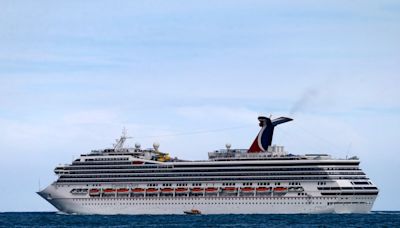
(120,142)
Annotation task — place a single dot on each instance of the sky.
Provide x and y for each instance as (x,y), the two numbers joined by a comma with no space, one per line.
(193,76)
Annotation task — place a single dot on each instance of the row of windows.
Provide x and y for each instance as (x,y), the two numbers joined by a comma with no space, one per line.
(347,188)
(212,203)
(112,174)
(348,193)
(249,184)
(102,163)
(361,183)
(209,169)
(236,199)
(204,174)
(200,174)
(102,159)
(229,184)
(186,195)
(140,180)
(223,184)
(229,203)
(220,164)
(293,163)
(344,203)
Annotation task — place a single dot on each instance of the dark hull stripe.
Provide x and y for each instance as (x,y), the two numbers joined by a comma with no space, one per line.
(347,193)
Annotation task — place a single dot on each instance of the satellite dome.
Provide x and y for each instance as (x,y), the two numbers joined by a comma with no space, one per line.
(228,146)
(137,145)
(156,145)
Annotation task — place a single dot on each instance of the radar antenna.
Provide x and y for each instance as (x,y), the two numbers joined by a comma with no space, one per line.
(120,142)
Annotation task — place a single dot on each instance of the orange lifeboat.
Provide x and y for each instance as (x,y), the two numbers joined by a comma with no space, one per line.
(263,189)
(122,190)
(152,190)
(197,190)
(230,189)
(137,163)
(181,190)
(94,191)
(280,189)
(109,190)
(247,189)
(137,190)
(211,190)
(167,190)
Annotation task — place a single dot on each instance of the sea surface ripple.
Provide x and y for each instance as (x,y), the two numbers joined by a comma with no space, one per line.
(54,219)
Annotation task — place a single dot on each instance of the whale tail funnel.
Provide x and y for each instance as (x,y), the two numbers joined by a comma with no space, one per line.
(264,137)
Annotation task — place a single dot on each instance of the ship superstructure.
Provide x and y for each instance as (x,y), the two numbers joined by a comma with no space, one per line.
(260,180)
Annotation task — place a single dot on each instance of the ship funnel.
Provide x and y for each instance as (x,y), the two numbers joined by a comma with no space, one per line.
(264,137)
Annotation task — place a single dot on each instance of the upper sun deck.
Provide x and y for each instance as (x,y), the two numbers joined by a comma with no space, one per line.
(261,148)
(272,153)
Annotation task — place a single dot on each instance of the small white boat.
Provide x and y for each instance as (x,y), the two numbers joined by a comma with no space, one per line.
(193,212)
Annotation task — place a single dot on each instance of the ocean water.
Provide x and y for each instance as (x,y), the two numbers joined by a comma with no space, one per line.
(54,219)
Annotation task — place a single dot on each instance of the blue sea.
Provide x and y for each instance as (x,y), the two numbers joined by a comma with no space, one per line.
(54,219)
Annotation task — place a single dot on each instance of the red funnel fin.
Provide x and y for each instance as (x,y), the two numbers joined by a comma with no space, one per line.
(255,148)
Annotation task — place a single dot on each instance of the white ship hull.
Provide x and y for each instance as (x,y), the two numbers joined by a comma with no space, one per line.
(208,205)
(248,205)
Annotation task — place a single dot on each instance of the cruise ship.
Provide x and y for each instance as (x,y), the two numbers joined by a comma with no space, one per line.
(263,179)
